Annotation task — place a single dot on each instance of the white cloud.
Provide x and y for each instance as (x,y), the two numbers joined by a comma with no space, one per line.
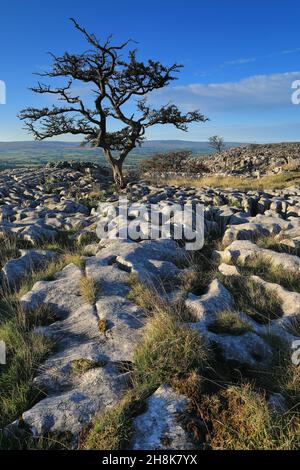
(255,92)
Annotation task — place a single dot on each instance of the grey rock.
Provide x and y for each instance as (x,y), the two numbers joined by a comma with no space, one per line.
(15,270)
(217,299)
(159,428)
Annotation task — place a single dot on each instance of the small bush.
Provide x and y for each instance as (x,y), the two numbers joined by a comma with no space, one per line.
(165,162)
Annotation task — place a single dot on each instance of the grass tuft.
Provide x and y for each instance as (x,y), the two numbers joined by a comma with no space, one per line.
(88,289)
(265,269)
(229,323)
(103,325)
(81,366)
(168,352)
(252,298)
(238,418)
(25,352)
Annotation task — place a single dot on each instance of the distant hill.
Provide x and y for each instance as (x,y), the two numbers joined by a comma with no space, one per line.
(28,153)
(163,145)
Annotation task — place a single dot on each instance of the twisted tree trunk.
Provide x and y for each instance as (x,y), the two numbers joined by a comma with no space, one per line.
(117,169)
(118,173)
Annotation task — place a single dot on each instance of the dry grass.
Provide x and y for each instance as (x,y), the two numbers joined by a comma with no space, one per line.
(280,181)
(8,249)
(239,419)
(103,325)
(81,366)
(168,349)
(113,430)
(145,296)
(88,289)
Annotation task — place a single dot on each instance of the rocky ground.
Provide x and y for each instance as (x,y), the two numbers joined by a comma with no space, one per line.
(255,160)
(221,319)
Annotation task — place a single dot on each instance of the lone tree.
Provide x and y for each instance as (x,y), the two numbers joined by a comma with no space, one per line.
(217,143)
(117,84)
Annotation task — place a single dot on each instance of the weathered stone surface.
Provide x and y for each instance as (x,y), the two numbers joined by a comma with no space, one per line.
(248,349)
(71,410)
(61,295)
(35,205)
(15,270)
(217,299)
(241,251)
(228,270)
(290,301)
(159,428)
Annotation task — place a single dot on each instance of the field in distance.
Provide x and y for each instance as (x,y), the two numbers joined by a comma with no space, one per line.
(24,154)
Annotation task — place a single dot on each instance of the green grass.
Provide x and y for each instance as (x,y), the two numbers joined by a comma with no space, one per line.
(253,299)
(265,269)
(47,273)
(167,350)
(26,350)
(202,269)
(229,323)
(8,249)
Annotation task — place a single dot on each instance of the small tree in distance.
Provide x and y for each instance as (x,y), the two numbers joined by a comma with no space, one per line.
(217,143)
(115,82)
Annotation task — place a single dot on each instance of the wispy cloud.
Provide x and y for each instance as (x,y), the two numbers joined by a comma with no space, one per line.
(290,51)
(255,92)
(241,61)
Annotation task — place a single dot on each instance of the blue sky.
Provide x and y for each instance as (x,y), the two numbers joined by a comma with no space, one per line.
(240,58)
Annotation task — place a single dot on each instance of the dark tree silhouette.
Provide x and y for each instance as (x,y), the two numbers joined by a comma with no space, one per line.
(217,143)
(115,82)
